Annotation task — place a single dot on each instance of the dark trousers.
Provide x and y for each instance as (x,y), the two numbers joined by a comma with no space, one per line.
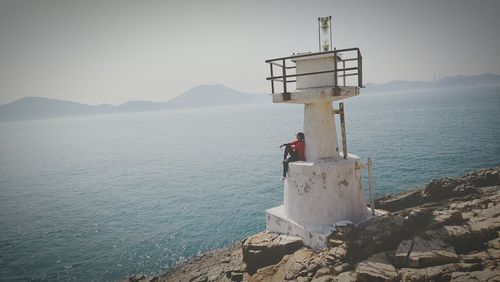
(294,156)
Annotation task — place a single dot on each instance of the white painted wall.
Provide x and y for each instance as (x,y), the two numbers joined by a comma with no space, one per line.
(320,132)
(320,193)
(314,64)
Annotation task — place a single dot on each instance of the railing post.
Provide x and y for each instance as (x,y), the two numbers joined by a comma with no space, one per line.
(360,69)
(342,127)
(343,67)
(284,76)
(319,34)
(272,80)
(370,185)
(335,82)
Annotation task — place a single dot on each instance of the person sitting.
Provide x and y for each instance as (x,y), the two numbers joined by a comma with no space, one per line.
(295,150)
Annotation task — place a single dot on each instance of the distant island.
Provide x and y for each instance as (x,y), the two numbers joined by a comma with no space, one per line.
(30,108)
(446,82)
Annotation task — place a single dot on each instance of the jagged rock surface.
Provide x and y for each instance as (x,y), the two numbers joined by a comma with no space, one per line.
(448,231)
(265,248)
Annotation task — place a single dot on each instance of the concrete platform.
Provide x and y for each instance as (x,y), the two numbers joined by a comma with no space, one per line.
(277,221)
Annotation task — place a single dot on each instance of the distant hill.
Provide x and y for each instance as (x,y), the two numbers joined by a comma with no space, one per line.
(40,108)
(214,95)
(446,82)
(201,96)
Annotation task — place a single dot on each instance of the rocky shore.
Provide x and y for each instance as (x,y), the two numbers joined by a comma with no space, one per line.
(447,231)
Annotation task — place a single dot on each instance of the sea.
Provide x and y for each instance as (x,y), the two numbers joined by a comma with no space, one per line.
(97,198)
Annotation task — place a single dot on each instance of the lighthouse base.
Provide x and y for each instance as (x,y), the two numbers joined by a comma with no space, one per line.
(317,196)
(277,221)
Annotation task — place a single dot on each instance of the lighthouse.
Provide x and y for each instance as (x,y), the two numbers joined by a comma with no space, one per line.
(326,189)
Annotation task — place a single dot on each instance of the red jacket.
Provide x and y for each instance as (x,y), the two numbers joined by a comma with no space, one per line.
(299,147)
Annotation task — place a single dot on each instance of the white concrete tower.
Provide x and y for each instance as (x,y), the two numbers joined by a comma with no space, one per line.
(328,186)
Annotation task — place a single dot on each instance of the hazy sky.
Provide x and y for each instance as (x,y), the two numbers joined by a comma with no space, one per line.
(107,51)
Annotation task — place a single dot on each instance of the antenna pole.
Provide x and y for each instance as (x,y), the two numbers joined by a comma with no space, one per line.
(331,42)
(319,33)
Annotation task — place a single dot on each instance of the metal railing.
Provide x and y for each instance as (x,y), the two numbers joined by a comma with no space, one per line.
(346,63)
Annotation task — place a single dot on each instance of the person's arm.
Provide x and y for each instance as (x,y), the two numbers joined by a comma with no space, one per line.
(293,143)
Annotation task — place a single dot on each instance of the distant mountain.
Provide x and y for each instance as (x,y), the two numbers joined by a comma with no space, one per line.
(214,95)
(40,108)
(201,96)
(446,82)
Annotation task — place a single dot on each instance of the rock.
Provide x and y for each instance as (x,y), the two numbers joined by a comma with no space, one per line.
(225,260)
(266,248)
(291,267)
(443,272)
(486,224)
(445,188)
(440,189)
(467,237)
(399,201)
(297,264)
(342,268)
(141,278)
(380,234)
(335,243)
(484,178)
(412,274)
(480,276)
(494,244)
(435,273)
(236,276)
(324,279)
(348,276)
(430,252)
(489,258)
(235,266)
(212,278)
(322,272)
(198,278)
(342,232)
(446,217)
(271,273)
(338,253)
(416,220)
(454,234)
(312,267)
(468,205)
(403,252)
(376,267)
